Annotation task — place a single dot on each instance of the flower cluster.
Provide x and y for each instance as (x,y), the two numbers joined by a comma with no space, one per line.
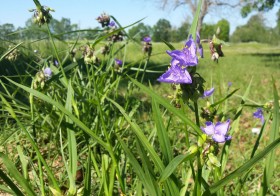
(41,78)
(147,45)
(88,54)
(13,55)
(42,15)
(215,46)
(181,60)
(110,26)
(103,19)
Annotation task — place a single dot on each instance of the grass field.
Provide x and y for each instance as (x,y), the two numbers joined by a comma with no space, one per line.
(76,128)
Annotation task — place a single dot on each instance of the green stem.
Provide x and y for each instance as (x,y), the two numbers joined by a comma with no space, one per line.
(56,54)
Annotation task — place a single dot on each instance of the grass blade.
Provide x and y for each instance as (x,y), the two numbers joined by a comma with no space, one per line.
(274,133)
(162,133)
(174,164)
(218,185)
(16,175)
(168,106)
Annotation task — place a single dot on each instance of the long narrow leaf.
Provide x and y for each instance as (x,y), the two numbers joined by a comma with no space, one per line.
(172,166)
(11,168)
(274,133)
(62,108)
(162,133)
(168,106)
(240,171)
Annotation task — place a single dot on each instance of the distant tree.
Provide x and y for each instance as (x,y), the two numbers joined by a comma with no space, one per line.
(140,30)
(6,31)
(260,5)
(207,31)
(63,27)
(254,30)
(181,33)
(224,27)
(246,6)
(162,31)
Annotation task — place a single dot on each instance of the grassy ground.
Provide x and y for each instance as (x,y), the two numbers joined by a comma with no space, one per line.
(242,64)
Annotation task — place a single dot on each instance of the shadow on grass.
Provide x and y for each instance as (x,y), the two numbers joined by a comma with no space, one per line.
(270,59)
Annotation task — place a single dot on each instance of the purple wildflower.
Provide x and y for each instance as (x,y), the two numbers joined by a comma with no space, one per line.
(259,114)
(200,48)
(147,39)
(177,75)
(229,84)
(218,131)
(208,93)
(118,61)
(112,24)
(181,59)
(48,72)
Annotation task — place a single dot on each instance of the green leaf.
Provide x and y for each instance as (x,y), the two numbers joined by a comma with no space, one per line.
(247,165)
(13,188)
(274,133)
(162,133)
(11,168)
(172,166)
(195,21)
(138,169)
(168,106)
(62,108)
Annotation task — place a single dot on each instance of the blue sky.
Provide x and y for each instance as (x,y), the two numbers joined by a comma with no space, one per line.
(84,12)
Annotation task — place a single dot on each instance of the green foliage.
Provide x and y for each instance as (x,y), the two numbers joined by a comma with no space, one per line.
(260,5)
(224,28)
(247,33)
(139,31)
(162,31)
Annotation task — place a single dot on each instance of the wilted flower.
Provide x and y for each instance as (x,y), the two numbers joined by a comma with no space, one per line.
(103,19)
(208,93)
(259,114)
(218,132)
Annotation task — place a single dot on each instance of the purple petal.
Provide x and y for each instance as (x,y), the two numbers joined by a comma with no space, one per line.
(209,129)
(222,128)
(147,39)
(118,61)
(200,50)
(219,138)
(197,38)
(208,93)
(177,75)
(47,72)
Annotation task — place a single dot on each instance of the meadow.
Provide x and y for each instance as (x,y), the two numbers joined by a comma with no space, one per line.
(90,117)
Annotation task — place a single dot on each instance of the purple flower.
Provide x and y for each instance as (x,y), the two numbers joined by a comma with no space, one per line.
(118,61)
(218,131)
(112,24)
(259,114)
(229,84)
(181,59)
(147,39)
(56,62)
(200,48)
(208,93)
(48,72)
(176,74)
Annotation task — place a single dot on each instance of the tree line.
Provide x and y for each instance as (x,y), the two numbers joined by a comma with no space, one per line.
(162,30)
